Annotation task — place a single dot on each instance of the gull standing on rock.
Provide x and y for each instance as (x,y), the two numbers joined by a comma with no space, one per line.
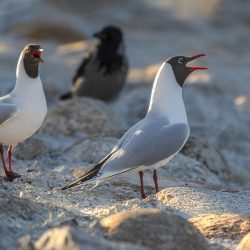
(102,73)
(155,140)
(23,110)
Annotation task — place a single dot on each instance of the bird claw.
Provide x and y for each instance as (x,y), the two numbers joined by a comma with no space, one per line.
(10,176)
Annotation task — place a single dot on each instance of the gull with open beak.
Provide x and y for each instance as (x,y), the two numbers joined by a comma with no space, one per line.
(156,139)
(23,110)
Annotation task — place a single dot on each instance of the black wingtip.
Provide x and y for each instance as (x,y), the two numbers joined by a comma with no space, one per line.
(64,188)
(73,184)
(67,187)
(90,175)
(66,96)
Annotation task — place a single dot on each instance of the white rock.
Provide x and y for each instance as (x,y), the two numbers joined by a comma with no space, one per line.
(67,238)
(86,115)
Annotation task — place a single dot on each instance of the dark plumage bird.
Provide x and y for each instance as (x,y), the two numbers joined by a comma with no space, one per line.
(102,73)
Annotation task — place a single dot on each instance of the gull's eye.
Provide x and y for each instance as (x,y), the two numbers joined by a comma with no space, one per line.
(181,60)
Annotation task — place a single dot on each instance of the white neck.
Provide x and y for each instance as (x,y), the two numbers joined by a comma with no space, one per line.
(166,97)
(24,83)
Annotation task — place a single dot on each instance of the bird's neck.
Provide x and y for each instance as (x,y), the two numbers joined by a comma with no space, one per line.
(110,52)
(166,97)
(24,83)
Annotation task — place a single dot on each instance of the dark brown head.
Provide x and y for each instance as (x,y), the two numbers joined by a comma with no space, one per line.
(31,59)
(180,68)
(111,36)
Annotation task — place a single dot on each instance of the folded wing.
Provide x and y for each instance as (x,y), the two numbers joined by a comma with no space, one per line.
(145,144)
(7,112)
(146,147)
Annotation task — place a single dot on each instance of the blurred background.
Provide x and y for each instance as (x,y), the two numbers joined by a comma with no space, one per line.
(217,100)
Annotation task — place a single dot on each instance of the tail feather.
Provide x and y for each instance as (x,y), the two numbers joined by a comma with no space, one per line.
(86,177)
(91,174)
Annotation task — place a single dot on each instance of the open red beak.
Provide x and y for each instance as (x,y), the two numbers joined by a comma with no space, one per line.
(197,67)
(37,54)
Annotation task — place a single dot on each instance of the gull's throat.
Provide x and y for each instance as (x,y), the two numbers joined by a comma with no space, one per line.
(166,98)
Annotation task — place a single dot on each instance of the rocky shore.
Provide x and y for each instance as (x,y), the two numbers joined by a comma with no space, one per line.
(204,198)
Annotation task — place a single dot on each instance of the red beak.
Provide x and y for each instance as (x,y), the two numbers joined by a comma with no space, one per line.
(197,67)
(37,54)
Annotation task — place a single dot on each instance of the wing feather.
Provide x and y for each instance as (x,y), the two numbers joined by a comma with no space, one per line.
(7,112)
(147,147)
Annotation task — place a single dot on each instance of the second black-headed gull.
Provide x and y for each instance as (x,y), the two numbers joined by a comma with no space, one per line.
(23,110)
(156,139)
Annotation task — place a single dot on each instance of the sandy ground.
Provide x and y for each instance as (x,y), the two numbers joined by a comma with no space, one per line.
(217,102)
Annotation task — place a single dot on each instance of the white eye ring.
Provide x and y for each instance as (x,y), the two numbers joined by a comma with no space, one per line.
(181,60)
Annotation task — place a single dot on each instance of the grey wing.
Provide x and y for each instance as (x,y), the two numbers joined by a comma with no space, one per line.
(7,112)
(126,137)
(146,147)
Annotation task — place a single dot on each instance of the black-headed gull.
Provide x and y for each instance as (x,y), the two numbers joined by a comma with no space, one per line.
(23,110)
(155,140)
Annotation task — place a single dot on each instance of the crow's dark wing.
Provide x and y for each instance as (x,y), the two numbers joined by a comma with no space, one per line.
(81,69)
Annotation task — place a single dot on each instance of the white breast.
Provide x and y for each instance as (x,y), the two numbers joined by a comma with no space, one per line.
(166,98)
(28,94)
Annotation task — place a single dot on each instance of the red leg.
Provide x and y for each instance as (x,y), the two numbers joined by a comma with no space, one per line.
(142,186)
(12,174)
(2,158)
(156,181)
(8,174)
(10,157)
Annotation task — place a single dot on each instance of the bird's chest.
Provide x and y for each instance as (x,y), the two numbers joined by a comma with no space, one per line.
(25,124)
(33,111)
(103,74)
(33,106)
